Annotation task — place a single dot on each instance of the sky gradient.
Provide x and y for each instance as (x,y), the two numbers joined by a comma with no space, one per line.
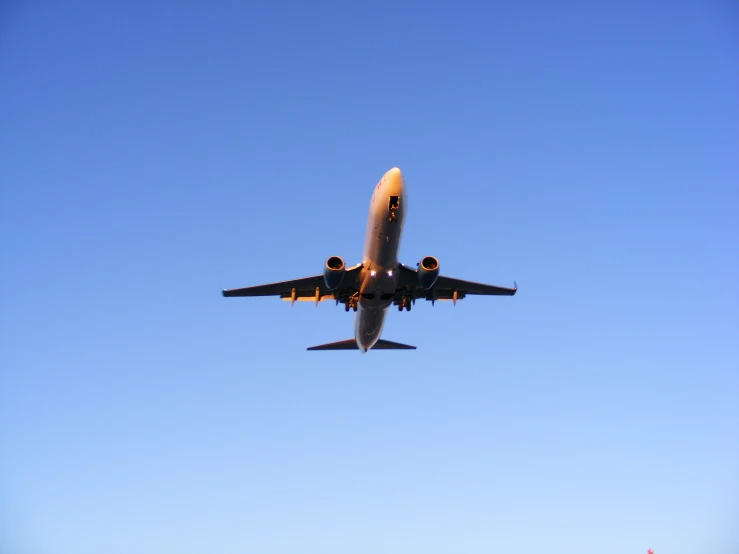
(152,154)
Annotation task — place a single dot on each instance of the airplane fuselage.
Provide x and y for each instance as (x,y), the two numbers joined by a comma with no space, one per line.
(380,257)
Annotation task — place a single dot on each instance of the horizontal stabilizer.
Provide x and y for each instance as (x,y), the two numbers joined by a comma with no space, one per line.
(351,344)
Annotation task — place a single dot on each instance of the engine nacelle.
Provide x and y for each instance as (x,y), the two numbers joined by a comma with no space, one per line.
(428,271)
(333,272)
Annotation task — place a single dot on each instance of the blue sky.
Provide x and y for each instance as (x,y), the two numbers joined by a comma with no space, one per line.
(154,153)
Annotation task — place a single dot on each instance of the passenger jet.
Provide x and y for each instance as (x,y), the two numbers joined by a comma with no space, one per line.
(379,282)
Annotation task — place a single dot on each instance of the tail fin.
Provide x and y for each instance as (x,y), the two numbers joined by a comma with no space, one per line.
(351,344)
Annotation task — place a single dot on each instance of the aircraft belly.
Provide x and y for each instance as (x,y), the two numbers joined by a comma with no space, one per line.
(377,289)
(368,326)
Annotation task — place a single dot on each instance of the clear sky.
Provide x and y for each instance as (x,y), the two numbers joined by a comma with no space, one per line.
(153,153)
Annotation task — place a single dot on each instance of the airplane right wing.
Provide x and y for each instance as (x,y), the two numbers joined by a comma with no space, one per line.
(305,289)
(445,288)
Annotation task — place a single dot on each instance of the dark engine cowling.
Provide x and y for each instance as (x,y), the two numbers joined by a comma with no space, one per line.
(333,272)
(428,271)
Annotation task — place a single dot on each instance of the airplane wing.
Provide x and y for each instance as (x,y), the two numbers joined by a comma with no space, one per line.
(445,288)
(304,289)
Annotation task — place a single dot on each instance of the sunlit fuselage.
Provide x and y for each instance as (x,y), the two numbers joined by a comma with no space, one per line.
(380,257)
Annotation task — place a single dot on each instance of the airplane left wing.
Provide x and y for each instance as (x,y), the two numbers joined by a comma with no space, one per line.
(446,288)
(305,289)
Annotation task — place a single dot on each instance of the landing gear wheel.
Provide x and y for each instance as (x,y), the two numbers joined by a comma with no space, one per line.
(355,307)
(346,307)
(408,306)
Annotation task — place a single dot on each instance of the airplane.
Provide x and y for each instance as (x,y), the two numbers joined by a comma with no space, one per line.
(379,281)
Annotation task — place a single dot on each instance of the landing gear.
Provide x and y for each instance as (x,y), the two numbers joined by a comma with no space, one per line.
(352,303)
(405,303)
(393,207)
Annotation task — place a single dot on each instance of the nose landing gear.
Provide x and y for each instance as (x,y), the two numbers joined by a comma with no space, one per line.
(393,207)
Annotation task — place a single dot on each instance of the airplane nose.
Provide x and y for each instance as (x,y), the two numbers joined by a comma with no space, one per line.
(395,177)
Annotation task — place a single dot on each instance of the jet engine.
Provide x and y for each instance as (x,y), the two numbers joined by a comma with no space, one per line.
(333,272)
(428,271)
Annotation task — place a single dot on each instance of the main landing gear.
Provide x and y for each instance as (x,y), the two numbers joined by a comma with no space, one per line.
(405,303)
(352,303)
